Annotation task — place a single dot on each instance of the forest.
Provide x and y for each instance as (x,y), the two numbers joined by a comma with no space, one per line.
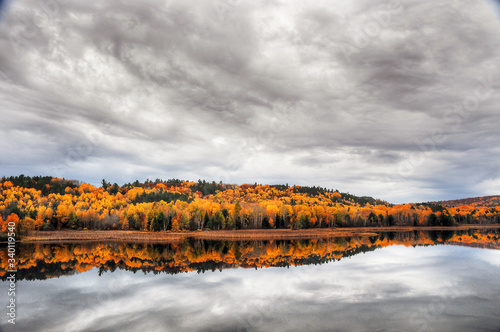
(44,203)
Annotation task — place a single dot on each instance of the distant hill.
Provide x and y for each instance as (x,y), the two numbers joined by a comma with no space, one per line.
(490,201)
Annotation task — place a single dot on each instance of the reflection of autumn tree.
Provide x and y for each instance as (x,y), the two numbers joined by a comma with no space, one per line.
(46,261)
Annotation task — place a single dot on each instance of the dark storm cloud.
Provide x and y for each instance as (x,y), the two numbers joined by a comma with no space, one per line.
(373,97)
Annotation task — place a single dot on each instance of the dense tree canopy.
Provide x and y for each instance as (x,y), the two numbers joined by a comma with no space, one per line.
(46,203)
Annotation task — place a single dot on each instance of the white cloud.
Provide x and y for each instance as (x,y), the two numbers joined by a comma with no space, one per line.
(339,95)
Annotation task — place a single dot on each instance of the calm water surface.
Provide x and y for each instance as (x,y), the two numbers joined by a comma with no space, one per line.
(393,282)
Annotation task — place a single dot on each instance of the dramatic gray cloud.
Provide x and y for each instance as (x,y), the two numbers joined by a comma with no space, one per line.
(398,100)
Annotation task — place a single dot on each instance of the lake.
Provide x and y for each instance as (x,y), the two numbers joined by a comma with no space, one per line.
(404,281)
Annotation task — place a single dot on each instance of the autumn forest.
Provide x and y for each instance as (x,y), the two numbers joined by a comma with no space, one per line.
(47,203)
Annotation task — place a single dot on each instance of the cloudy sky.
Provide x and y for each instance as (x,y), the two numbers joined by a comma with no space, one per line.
(397,100)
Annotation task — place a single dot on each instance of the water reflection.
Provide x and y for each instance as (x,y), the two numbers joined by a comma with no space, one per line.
(43,261)
(411,286)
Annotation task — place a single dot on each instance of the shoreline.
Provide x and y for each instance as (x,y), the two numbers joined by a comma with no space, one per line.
(247,234)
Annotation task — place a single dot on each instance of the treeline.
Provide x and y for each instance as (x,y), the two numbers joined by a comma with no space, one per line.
(46,184)
(474,201)
(46,203)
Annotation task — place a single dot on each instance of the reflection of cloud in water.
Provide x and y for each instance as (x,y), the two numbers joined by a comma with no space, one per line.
(490,256)
(438,288)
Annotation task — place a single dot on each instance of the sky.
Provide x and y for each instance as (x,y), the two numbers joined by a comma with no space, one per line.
(393,99)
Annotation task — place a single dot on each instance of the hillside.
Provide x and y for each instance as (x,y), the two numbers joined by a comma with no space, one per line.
(491,201)
(47,203)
